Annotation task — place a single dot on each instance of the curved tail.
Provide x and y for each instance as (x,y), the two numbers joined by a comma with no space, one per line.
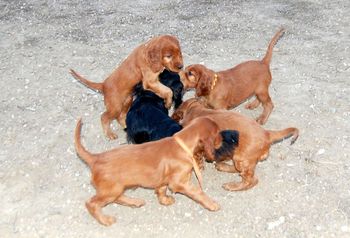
(81,151)
(268,55)
(276,136)
(88,83)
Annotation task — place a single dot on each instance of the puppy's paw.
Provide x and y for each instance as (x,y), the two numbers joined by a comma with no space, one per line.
(233,186)
(167,200)
(168,103)
(261,120)
(240,186)
(139,203)
(214,206)
(111,135)
(249,106)
(223,167)
(107,220)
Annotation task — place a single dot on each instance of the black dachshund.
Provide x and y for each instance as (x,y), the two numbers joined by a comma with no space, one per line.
(148,119)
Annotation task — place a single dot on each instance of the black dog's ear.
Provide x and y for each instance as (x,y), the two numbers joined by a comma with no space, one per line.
(209,148)
(230,141)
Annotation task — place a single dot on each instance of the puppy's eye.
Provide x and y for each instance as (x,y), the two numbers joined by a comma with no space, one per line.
(190,73)
(168,56)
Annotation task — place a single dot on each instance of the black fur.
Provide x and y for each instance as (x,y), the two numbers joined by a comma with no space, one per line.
(230,139)
(148,119)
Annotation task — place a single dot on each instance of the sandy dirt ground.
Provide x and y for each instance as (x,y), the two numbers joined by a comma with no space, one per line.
(303,189)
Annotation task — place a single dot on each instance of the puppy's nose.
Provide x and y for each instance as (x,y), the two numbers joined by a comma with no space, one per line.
(180,66)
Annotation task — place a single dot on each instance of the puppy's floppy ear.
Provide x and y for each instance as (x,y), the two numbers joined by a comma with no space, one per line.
(218,140)
(198,155)
(154,56)
(209,148)
(203,84)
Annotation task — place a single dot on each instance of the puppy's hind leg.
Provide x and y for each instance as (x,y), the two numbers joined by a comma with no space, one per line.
(126,106)
(130,202)
(114,105)
(253,104)
(163,198)
(248,179)
(95,205)
(106,119)
(267,104)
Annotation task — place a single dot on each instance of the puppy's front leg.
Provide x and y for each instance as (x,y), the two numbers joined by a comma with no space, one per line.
(151,82)
(181,184)
(199,196)
(223,167)
(131,202)
(163,198)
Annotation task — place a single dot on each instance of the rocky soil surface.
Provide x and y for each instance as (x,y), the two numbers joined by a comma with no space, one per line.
(303,189)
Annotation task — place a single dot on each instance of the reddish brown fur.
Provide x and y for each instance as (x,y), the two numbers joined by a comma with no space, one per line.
(144,64)
(235,85)
(254,141)
(159,165)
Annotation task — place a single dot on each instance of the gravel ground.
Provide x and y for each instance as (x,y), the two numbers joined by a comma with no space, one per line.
(303,189)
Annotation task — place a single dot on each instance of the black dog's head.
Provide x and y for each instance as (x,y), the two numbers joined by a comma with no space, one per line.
(230,139)
(169,79)
(172,80)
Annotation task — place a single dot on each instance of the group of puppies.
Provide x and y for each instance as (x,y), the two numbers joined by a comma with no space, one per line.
(165,150)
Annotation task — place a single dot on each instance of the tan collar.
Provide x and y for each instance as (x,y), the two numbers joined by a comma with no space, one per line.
(214,82)
(194,162)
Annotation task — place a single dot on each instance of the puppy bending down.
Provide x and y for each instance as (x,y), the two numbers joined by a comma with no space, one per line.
(229,88)
(148,118)
(254,141)
(162,164)
(144,64)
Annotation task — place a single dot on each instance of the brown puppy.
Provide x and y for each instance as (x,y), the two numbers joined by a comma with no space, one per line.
(144,64)
(161,164)
(254,141)
(229,88)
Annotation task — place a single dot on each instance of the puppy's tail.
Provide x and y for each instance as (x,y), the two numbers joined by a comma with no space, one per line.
(277,136)
(267,58)
(81,151)
(95,86)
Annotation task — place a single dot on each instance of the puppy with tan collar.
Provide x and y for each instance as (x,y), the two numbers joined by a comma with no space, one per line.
(229,88)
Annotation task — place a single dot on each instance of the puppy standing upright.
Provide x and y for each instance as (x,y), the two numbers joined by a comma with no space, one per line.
(144,64)
(229,88)
(161,164)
